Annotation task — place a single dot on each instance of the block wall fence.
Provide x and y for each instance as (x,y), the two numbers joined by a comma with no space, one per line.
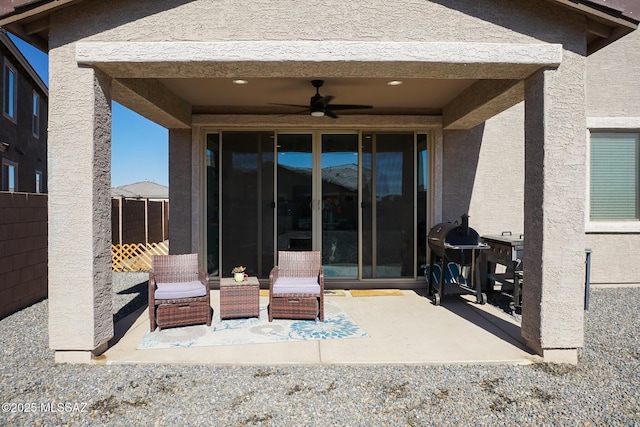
(23,250)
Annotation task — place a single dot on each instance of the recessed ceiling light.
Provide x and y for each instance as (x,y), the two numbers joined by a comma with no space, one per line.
(395,82)
(240,81)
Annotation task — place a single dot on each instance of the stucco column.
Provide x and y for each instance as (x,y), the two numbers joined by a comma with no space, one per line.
(79,156)
(555,156)
(181,191)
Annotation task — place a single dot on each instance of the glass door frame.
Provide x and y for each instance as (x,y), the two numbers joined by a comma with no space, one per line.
(434,188)
(316,182)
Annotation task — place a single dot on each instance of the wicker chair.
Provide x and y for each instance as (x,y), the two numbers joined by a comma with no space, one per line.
(296,286)
(179,292)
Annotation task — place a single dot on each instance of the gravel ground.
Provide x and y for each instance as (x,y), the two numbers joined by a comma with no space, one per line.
(602,390)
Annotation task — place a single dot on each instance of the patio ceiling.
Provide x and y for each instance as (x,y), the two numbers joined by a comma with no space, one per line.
(168,82)
(258,95)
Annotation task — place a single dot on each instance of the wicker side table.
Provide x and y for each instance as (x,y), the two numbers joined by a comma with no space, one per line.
(239,299)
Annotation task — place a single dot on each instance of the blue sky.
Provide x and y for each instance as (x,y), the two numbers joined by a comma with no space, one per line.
(139,149)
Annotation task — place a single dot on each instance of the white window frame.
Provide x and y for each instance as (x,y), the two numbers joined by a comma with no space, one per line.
(10,97)
(607,124)
(35,124)
(7,166)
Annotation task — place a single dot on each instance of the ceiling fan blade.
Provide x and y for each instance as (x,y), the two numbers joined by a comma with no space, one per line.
(329,113)
(327,99)
(290,105)
(349,107)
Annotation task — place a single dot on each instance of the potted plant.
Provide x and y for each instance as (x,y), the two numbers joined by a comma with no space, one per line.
(239,273)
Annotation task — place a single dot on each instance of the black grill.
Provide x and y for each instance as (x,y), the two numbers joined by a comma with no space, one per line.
(446,238)
(506,249)
(453,247)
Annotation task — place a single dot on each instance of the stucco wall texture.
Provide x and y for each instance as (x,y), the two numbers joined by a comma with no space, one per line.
(471,156)
(613,93)
(613,79)
(80,292)
(173,20)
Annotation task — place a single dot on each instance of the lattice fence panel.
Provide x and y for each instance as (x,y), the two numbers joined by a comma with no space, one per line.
(136,256)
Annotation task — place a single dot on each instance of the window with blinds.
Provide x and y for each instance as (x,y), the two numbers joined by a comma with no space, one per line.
(614,176)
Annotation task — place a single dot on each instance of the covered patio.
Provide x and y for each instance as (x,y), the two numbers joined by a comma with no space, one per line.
(406,329)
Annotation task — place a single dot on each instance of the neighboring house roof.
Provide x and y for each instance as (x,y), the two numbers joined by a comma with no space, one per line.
(8,43)
(345,176)
(608,20)
(141,190)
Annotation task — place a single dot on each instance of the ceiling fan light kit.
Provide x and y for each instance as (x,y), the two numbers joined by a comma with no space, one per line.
(320,106)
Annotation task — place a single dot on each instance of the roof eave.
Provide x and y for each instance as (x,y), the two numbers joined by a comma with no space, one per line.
(30,20)
(604,24)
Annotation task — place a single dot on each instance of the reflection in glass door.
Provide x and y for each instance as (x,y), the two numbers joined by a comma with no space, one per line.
(318,206)
(339,163)
(360,199)
(387,205)
(295,192)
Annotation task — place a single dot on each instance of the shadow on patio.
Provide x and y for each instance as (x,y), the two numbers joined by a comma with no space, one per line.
(405,329)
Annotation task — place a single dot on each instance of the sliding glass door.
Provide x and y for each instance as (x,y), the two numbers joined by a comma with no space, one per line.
(246,164)
(339,204)
(317,203)
(388,232)
(360,199)
(295,201)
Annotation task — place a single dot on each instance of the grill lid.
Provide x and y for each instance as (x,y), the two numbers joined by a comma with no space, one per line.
(445,240)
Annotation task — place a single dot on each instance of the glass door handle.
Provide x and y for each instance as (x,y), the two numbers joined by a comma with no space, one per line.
(312,203)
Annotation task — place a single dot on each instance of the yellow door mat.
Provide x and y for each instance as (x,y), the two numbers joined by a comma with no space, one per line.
(376,293)
(327,292)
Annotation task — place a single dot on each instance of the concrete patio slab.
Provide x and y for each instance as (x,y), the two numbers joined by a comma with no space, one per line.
(405,329)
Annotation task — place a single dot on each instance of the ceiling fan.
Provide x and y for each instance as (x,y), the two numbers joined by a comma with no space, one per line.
(321,105)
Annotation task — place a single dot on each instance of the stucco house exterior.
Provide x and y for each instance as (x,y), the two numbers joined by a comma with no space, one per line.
(493,119)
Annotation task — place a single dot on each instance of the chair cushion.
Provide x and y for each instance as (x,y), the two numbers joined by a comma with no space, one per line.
(180,290)
(296,285)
